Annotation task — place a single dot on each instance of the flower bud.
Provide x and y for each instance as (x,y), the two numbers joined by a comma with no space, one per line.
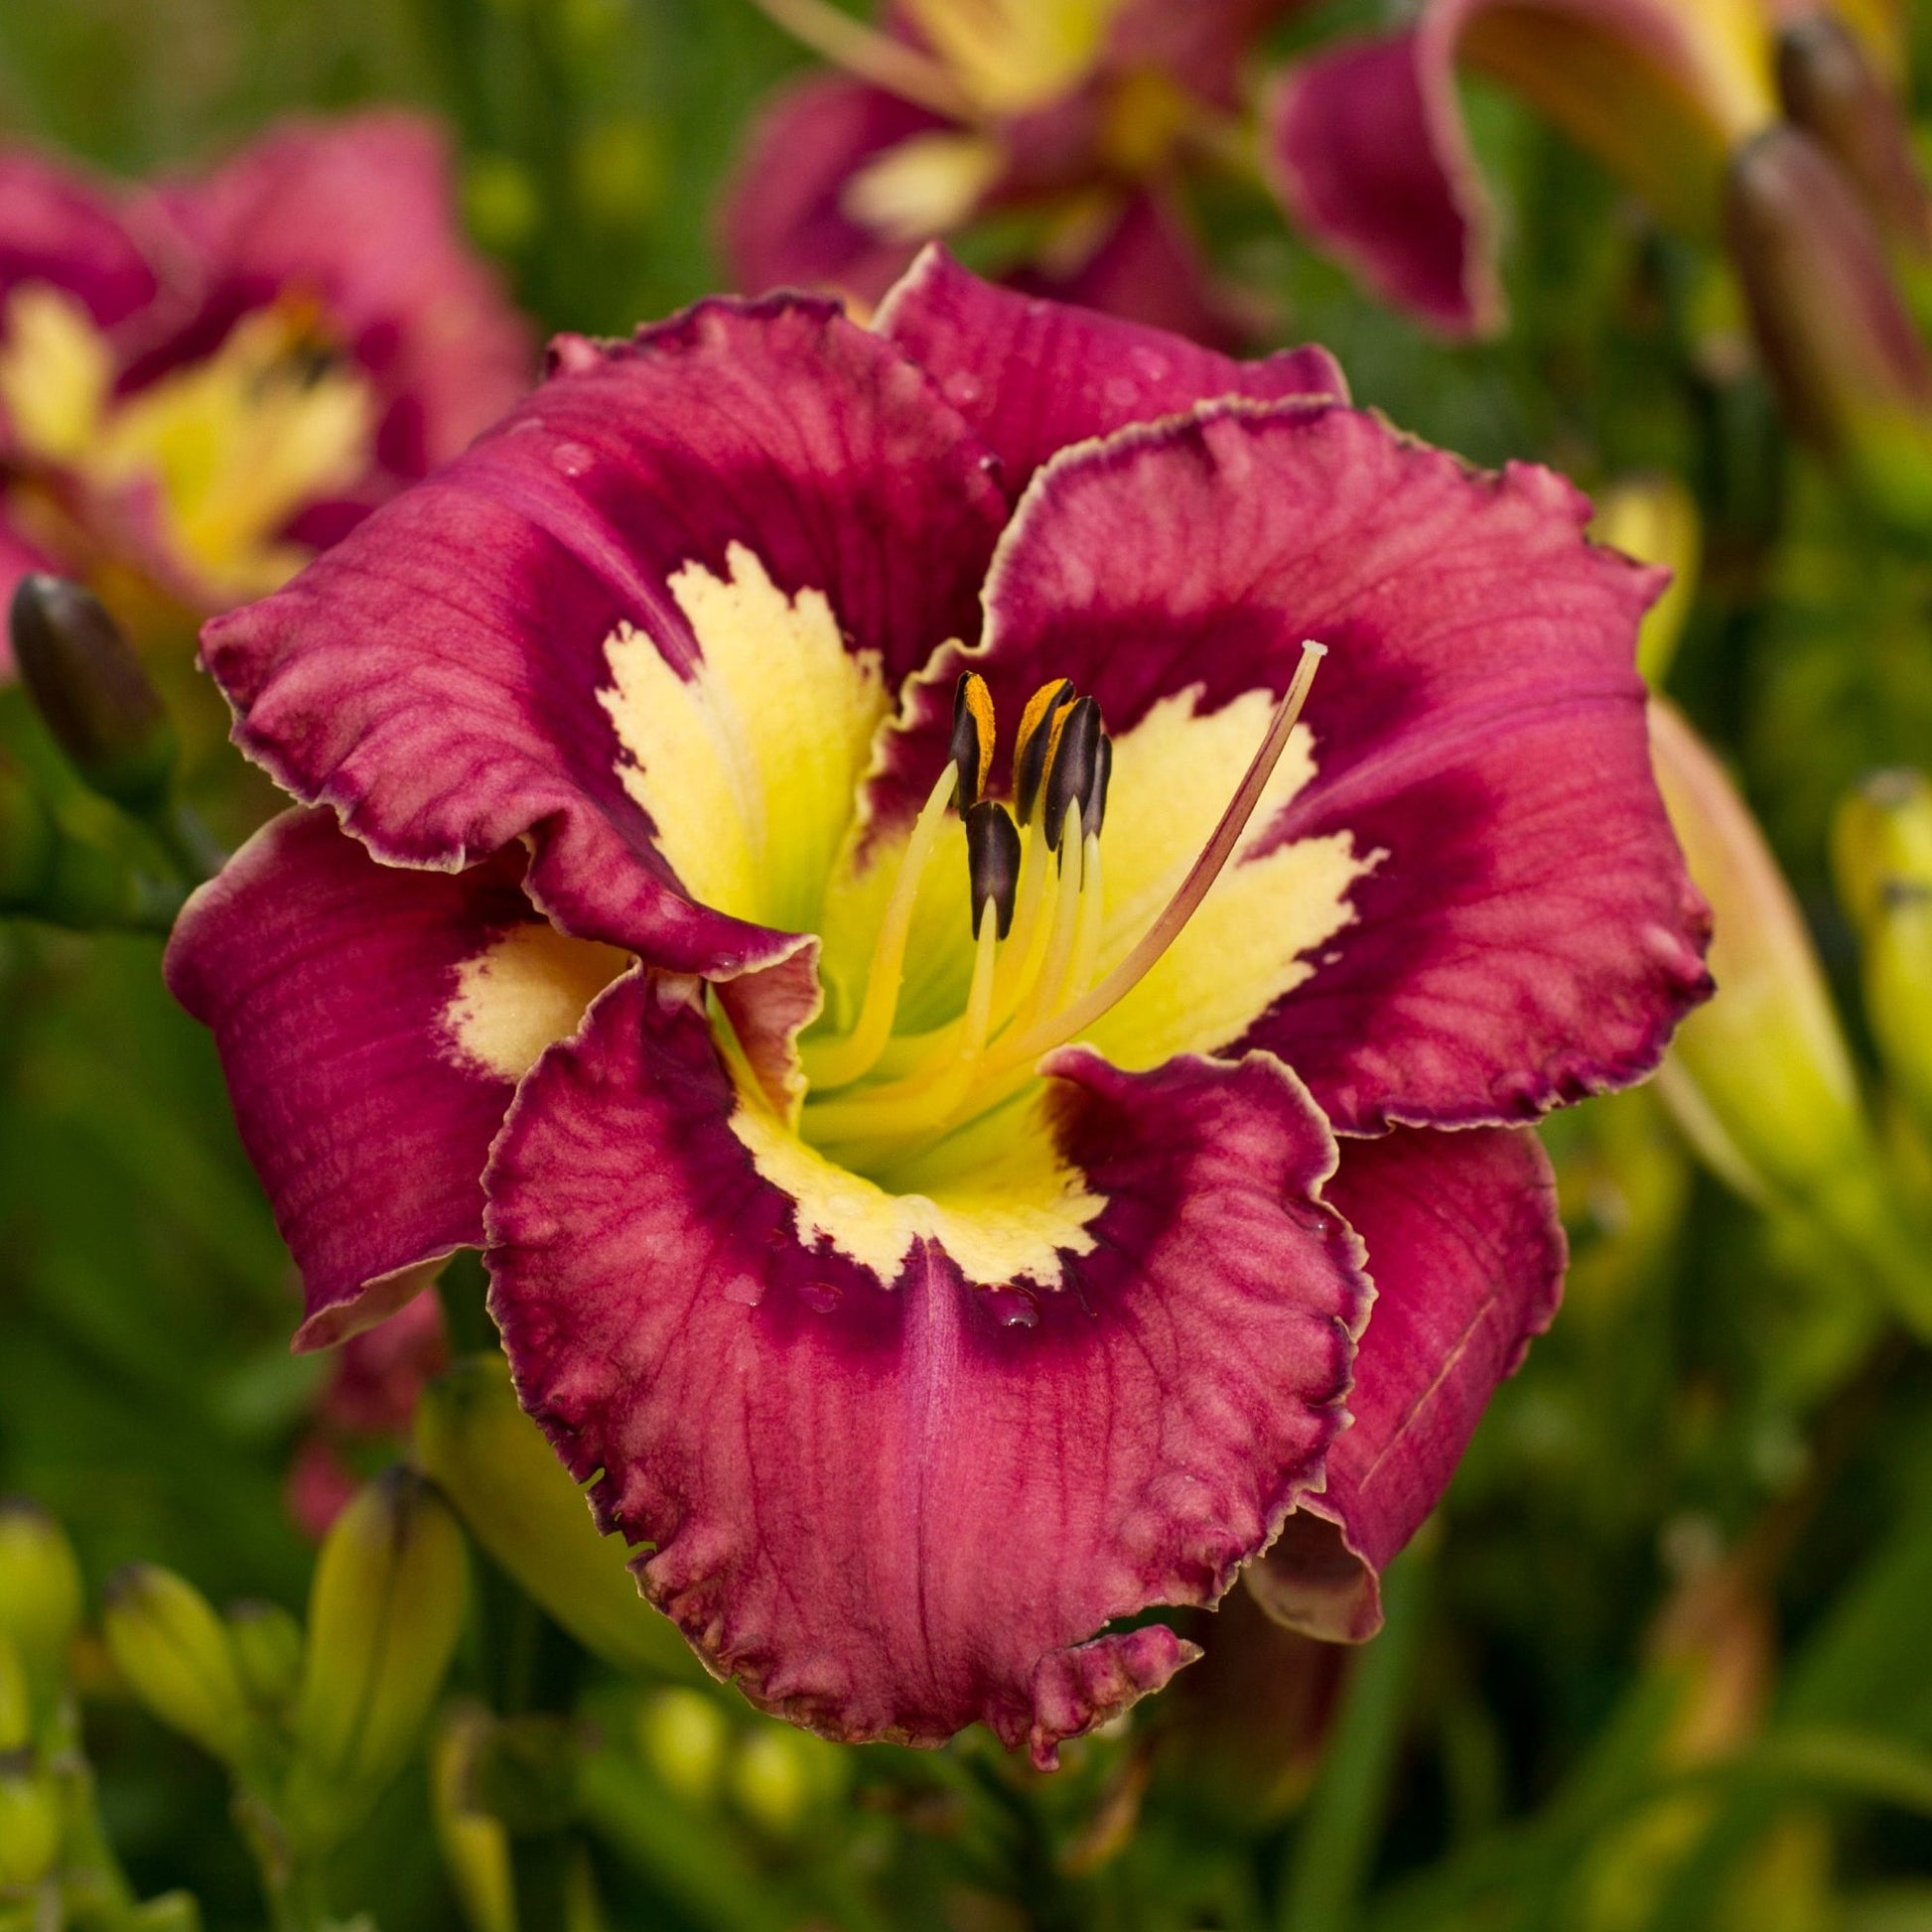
(1838,345)
(39,1591)
(1654,519)
(1833,89)
(522,1505)
(16,1700)
(1759,1078)
(91,690)
(475,1848)
(682,1736)
(175,1655)
(268,1652)
(384,1614)
(1882,836)
(30,1825)
(779,1776)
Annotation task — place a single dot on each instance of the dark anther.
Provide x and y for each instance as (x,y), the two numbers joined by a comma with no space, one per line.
(1093,807)
(1076,770)
(972,735)
(1035,740)
(993,862)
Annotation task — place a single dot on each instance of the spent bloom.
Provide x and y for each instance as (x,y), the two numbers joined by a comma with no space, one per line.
(1074,124)
(202,382)
(928,893)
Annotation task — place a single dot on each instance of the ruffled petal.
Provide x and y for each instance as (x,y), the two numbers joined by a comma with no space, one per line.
(1368,151)
(58,227)
(1032,378)
(1523,931)
(372,1024)
(360,215)
(455,674)
(894,1496)
(1466,1255)
(1201,46)
(786,220)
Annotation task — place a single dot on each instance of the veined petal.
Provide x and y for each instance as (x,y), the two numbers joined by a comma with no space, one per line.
(897,1480)
(1369,153)
(1466,1255)
(787,220)
(372,1024)
(482,659)
(1033,376)
(1523,931)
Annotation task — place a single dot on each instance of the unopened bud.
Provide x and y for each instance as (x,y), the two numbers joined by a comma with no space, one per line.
(384,1614)
(1654,519)
(40,1590)
(1882,836)
(1760,1078)
(475,1848)
(30,1825)
(268,1652)
(92,692)
(683,1735)
(1838,345)
(175,1655)
(16,1700)
(519,1502)
(1834,90)
(780,1775)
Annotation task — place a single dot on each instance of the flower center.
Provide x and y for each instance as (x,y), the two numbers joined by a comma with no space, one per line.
(879,1098)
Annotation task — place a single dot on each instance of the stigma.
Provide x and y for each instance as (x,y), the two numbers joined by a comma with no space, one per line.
(878,1097)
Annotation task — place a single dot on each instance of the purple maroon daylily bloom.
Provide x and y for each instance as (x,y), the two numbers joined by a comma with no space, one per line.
(1367,150)
(670,911)
(202,382)
(1085,136)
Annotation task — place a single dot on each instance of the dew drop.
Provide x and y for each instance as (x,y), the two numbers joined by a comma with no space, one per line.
(1012,1307)
(820,1297)
(746,1290)
(572,459)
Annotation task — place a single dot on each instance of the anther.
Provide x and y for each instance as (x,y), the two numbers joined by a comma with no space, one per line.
(971,748)
(1076,768)
(1033,742)
(1093,807)
(993,862)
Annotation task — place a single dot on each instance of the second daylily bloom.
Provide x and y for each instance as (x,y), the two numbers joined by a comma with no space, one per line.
(202,384)
(829,854)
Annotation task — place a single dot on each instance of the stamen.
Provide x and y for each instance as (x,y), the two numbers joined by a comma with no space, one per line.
(972,738)
(1074,763)
(1043,709)
(992,863)
(871,56)
(838,1062)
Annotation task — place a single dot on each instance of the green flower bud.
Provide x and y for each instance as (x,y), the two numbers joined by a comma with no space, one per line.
(176,1658)
(30,1825)
(682,1736)
(269,1651)
(1882,836)
(92,692)
(16,1700)
(1760,1078)
(475,1848)
(522,1505)
(384,1615)
(779,1776)
(40,1590)
(1654,519)
(173,1911)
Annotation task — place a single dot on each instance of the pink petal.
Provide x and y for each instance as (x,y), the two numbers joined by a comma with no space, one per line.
(61,229)
(887,1509)
(325,979)
(1467,1256)
(1033,376)
(435,676)
(1530,935)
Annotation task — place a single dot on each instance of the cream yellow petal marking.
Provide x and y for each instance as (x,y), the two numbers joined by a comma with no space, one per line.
(749,768)
(1003,1211)
(924,187)
(524,993)
(56,372)
(1013,55)
(1249,942)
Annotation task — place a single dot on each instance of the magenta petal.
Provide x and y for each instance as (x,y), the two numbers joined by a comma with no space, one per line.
(325,979)
(1032,378)
(1466,1255)
(58,227)
(360,217)
(1366,146)
(1529,934)
(18,559)
(890,1509)
(783,223)
(435,676)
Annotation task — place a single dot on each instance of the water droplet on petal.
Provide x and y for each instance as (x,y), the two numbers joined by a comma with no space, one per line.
(572,459)
(1012,1307)
(820,1297)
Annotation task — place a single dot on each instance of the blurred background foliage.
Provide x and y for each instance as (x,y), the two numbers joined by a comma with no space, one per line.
(1664,1661)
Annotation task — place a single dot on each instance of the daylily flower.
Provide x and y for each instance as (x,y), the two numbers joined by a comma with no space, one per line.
(828,855)
(1074,119)
(1370,156)
(201,383)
